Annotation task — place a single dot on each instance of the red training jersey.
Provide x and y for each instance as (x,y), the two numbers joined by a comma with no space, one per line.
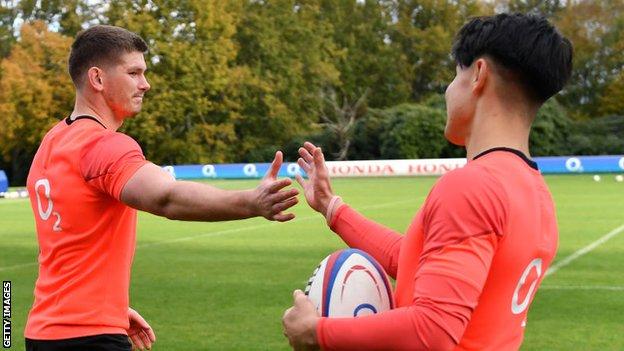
(86,235)
(468,267)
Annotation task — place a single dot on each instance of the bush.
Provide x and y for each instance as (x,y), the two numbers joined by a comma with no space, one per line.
(550,130)
(412,131)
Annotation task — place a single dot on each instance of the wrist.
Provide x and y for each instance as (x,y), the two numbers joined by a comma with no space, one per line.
(312,335)
(332,206)
(250,203)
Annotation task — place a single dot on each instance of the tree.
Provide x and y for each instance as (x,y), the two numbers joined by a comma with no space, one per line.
(612,101)
(287,47)
(35,92)
(596,30)
(425,30)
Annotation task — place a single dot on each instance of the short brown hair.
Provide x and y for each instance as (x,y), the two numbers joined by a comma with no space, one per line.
(101,44)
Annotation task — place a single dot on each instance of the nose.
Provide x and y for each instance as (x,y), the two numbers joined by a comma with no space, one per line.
(144,85)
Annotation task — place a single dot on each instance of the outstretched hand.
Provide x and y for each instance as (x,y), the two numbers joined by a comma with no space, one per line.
(317,189)
(140,333)
(271,197)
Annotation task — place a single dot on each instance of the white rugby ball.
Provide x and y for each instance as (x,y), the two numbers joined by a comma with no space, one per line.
(350,283)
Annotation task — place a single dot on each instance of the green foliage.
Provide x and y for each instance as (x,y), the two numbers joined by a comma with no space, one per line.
(35,91)
(596,30)
(602,136)
(412,131)
(550,130)
(424,32)
(233,81)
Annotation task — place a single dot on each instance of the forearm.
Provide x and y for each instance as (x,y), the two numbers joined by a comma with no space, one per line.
(192,201)
(409,328)
(362,233)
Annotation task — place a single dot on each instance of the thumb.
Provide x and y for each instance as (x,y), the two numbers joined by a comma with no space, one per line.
(299,297)
(275,165)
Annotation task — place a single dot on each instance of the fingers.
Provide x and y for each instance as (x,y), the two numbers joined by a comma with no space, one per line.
(275,166)
(319,160)
(150,333)
(304,165)
(284,195)
(145,339)
(305,154)
(309,146)
(279,184)
(286,204)
(284,217)
(136,342)
(300,180)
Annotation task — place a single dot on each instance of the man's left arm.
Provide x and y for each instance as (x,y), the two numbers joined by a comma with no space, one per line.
(447,289)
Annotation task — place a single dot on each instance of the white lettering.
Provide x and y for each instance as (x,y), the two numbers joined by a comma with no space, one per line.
(517,308)
(170,170)
(209,171)
(573,164)
(250,170)
(46,190)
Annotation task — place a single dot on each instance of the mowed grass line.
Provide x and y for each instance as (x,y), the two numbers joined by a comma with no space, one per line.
(228,292)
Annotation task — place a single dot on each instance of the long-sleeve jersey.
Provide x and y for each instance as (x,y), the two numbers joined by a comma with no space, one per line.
(468,267)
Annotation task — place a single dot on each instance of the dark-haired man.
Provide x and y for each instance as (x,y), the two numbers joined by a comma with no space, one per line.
(86,182)
(469,265)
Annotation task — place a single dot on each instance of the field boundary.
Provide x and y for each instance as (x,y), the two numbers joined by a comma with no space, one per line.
(566,261)
(581,287)
(234,230)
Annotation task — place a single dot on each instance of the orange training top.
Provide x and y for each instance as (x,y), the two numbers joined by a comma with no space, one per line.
(468,267)
(86,235)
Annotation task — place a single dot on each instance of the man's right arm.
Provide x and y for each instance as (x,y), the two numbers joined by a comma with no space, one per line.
(153,190)
(114,164)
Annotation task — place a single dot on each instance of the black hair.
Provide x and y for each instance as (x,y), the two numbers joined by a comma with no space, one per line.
(525,44)
(101,45)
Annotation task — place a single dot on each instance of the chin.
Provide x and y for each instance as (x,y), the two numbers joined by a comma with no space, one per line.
(454,138)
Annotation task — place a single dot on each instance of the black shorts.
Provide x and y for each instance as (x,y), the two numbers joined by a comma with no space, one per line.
(103,342)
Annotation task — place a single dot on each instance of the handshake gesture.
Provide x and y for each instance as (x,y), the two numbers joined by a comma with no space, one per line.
(272,199)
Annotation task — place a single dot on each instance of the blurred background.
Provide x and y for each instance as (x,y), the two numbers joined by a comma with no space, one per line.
(232,81)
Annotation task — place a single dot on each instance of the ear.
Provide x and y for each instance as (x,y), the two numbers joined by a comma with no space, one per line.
(95,78)
(480,75)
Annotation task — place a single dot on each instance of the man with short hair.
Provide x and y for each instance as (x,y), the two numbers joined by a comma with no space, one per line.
(470,263)
(86,182)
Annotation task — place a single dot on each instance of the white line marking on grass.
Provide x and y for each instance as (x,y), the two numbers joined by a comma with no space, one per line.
(12,201)
(582,287)
(23,265)
(566,261)
(264,225)
(233,230)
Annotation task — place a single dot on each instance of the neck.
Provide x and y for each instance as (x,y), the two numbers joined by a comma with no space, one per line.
(499,127)
(100,111)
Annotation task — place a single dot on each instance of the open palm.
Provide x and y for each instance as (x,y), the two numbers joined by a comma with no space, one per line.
(317,189)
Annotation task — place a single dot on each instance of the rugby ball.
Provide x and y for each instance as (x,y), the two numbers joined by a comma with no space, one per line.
(350,283)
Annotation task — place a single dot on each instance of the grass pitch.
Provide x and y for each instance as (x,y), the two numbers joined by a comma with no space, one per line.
(225,286)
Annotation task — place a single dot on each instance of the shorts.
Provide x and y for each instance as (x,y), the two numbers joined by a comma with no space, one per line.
(103,342)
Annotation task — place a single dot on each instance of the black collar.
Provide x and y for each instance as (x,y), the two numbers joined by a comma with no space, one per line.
(519,153)
(69,121)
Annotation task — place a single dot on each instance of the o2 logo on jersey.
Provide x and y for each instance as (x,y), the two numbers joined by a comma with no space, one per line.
(518,307)
(49,210)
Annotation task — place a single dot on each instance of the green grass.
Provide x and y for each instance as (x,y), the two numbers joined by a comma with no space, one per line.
(224,286)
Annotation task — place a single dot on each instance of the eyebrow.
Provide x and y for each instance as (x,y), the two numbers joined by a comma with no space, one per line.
(137,68)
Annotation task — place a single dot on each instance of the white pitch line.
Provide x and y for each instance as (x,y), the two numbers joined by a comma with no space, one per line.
(17,266)
(582,287)
(566,261)
(12,201)
(258,226)
(230,231)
